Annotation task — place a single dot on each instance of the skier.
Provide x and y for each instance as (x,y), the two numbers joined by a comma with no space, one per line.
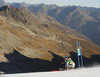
(71,63)
(68,63)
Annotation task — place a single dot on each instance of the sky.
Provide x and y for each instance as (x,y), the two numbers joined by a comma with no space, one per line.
(88,3)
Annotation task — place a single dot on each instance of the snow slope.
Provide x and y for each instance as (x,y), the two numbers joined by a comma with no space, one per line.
(85,72)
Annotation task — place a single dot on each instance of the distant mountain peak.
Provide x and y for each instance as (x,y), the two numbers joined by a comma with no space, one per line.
(40,4)
(20,15)
(2,2)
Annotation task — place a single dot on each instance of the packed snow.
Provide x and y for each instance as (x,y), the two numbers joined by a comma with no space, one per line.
(85,72)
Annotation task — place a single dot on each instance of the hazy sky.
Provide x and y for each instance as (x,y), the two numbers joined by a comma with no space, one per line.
(89,3)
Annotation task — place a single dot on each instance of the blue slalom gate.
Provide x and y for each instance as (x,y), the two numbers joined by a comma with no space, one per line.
(79,54)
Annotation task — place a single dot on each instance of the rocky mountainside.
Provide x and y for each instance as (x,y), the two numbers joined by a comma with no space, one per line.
(83,19)
(37,42)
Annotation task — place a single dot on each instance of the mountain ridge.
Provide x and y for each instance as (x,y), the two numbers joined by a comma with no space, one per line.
(76,17)
(80,18)
(43,25)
